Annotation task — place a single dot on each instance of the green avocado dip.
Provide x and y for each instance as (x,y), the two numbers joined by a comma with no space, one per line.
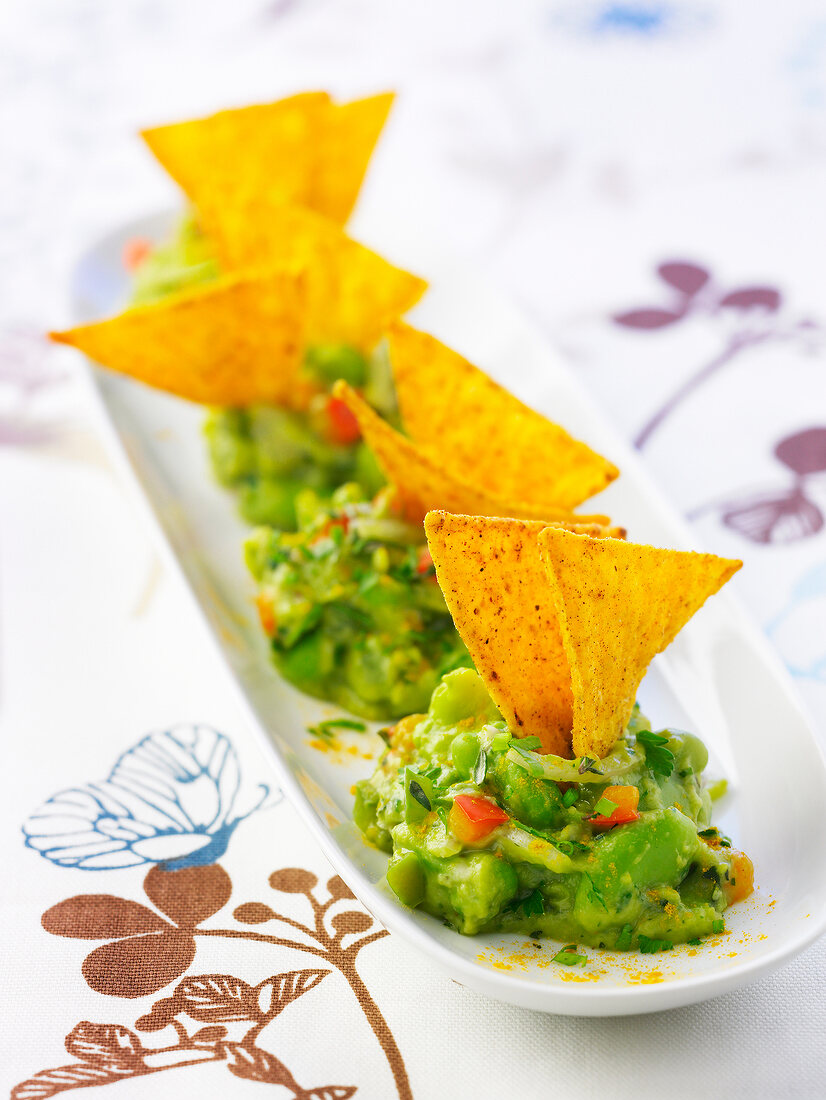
(351,605)
(490,836)
(265,454)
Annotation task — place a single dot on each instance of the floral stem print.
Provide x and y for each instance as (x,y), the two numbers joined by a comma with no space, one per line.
(754,310)
(148,951)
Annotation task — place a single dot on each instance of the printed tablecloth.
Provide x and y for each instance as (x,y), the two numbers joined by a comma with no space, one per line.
(646,179)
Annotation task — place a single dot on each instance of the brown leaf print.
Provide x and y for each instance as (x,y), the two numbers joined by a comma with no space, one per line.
(274,994)
(753,297)
(254,912)
(338,889)
(148,953)
(804,452)
(686,277)
(105,1044)
(757,318)
(217,998)
(100,917)
(190,895)
(775,519)
(780,516)
(52,1081)
(139,965)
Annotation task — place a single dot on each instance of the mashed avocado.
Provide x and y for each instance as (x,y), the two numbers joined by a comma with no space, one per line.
(184,261)
(267,455)
(490,836)
(351,604)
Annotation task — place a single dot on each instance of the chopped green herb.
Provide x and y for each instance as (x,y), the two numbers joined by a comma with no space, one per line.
(624,938)
(651,947)
(570,797)
(326,730)
(530,743)
(604,808)
(417,792)
(718,926)
(480,768)
(659,758)
(595,892)
(586,764)
(525,759)
(569,956)
(693,943)
(532,905)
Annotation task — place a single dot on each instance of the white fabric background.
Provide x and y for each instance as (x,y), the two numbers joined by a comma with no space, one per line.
(565,149)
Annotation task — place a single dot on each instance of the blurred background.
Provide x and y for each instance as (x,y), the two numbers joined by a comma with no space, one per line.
(645,179)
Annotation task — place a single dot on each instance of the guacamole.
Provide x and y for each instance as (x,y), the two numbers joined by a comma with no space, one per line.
(351,605)
(267,455)
(184,261)
(490,836)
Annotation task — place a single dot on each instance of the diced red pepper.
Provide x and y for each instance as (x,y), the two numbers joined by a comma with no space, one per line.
(425,566)
(135,252)
(266,614)
(342,425)
(472,819)
(740,882)
(339,521)
(626,800)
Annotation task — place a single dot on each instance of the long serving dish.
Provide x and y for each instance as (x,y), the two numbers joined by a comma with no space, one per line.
(720,679)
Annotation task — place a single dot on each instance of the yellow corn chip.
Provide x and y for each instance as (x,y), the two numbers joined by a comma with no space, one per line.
(421,483)
(496,589)
(304,150)
(352,292)
(619,604)
(232,342)
(494,437)
(264,147)
(342,154)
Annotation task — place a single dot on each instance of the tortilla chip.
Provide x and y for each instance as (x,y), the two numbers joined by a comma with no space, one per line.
(619,604)
(352,292)
(232,342)
(492,432)
(496,589)
(303,149)
(421,483)
(264,147)
(342,154)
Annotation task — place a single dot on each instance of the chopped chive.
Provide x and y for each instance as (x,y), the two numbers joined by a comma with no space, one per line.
(693,943)
(570,797)
(327,729)
(718,926)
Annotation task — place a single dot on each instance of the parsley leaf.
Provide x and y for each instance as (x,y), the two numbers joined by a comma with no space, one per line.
(569,956)
(658,757)
(651,947)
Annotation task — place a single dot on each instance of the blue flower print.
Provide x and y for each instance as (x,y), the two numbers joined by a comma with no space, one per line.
(174,799)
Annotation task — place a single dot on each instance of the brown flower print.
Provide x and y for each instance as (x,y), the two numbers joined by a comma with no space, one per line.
(752,315)
(780,515)
(148,952)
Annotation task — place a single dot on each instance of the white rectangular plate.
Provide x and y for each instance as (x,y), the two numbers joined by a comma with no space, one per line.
(719,679)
